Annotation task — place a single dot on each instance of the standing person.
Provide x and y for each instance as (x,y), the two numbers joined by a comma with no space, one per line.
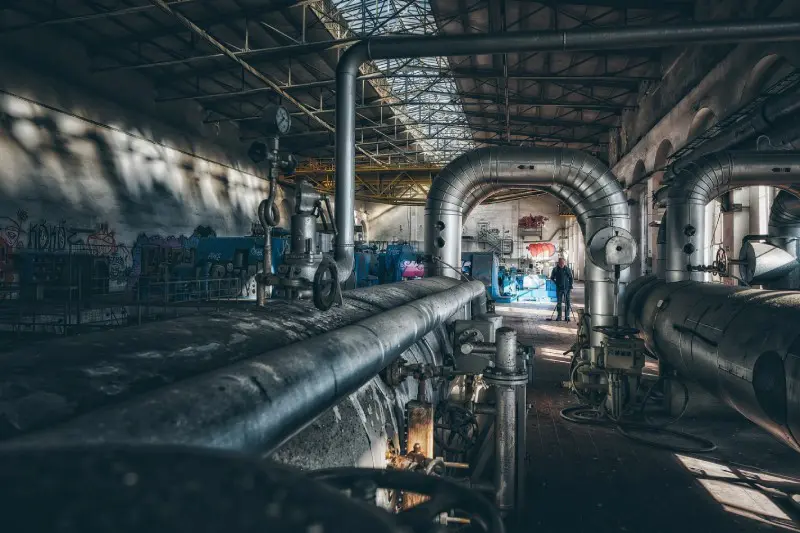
(562,277)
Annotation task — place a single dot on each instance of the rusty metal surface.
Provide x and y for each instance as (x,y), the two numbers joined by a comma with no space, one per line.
(257,404)
(51,382)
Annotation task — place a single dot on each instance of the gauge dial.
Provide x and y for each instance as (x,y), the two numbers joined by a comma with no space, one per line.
(283,121)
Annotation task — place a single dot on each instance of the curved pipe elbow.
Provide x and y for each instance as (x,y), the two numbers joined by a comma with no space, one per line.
(785,212)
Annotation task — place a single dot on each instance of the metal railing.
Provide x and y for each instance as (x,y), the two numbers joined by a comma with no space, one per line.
(27,311)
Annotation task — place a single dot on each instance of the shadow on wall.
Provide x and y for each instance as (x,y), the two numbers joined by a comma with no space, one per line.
(70,185)
(73,169)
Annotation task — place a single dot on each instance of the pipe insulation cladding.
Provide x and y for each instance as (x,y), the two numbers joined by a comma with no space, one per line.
(742,345)
(694,185)
(207,379)
(397,47)
(784,220)
(579,180)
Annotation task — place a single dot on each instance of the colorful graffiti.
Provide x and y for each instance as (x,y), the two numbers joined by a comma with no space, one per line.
(11,232)
(115,266)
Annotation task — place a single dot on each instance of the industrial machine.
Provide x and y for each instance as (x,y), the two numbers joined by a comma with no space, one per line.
(463,411)
(484,267)
(518,285)
(305,271)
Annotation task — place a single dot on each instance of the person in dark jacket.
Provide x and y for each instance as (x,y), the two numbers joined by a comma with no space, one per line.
(562,277)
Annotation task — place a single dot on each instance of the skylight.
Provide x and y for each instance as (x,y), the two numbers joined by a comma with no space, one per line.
(436,117)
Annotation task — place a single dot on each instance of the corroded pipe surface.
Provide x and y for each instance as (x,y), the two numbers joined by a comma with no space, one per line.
(258,404)
(51,382)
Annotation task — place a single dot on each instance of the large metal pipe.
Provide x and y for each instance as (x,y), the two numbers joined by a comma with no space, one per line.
(390,47)
(784,221)
(505,469)
(257,404)
(661,243)
(44,384)
(693,186)
(582,182)
(742,345)
(769,116)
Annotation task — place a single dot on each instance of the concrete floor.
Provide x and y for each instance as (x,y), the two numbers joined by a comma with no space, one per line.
(585,478)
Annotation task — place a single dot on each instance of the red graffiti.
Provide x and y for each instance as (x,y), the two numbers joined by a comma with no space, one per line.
(532,222)
(541,250)
(102,242)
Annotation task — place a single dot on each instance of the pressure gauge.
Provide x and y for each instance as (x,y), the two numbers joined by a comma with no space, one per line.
(276,120)
(283,120)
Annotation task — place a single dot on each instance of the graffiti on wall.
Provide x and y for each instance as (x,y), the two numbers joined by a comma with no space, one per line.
(29,248)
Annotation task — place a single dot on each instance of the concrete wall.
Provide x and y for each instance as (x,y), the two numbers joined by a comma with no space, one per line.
(92,163)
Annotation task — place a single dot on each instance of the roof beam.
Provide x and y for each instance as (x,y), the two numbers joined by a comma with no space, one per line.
(293,50)
(586,81)
(538,121)
(484,99)
(650,5)
(242,64)
(88,17)
(264,55)
(615,109)
(206,22)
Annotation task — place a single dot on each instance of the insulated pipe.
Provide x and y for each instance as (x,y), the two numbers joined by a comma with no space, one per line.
(258,404)
(393,47)
(44,384)
(661,242)
(692,187)
(579,180)
(784,221)
(742,345)
(505,469)
(767,117)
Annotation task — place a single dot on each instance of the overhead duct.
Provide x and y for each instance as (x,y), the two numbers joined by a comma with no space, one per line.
(239,379)
(394,47)
(693,186)
(769,116)
(742,345)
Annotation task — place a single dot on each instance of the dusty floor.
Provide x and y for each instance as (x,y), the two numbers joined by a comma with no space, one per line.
(586,478)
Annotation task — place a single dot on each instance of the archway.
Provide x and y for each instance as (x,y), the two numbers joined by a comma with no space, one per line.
(655,213)
(639,201)
(703,119)
(765,72)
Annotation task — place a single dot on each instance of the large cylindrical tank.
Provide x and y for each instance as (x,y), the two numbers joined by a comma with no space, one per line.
(743,345)
(50,385)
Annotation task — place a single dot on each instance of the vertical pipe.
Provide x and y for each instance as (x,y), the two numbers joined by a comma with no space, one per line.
(661,240)
(345,198)
(506,421)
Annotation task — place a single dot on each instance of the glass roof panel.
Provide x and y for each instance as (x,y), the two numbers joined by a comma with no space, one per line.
(435,117)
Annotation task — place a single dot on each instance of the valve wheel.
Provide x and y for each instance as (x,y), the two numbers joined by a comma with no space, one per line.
(445,495)
(325,287)
(721,262)
(455,428)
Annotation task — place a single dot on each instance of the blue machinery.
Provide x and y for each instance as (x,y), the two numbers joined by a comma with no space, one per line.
(397,263)
(506,284)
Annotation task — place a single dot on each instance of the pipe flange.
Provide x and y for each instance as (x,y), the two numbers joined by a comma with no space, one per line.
(505,379)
